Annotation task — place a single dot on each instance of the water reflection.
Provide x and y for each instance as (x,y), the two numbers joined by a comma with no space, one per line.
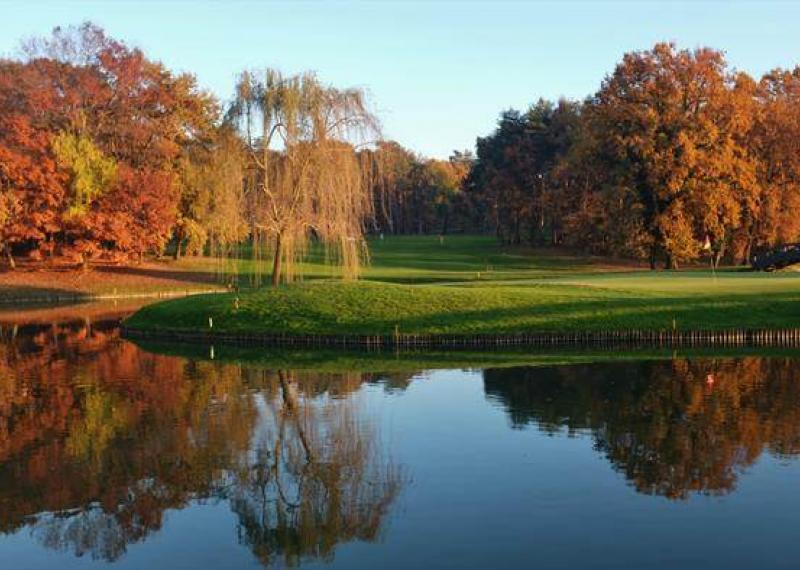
(98,439)
(671,427)
(314,476)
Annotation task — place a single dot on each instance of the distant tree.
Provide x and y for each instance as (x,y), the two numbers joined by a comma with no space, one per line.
(500,179)
(412,194)
(436,190)
(514,177)
(387,170)
(674,158)
(32,187)
(668,133)
(648,109)
(91,174)
(774,141)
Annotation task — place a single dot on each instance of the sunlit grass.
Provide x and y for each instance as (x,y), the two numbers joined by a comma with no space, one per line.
(377,308)
(470,285)
(426,259)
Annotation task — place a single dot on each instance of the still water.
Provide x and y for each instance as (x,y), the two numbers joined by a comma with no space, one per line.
(115,456)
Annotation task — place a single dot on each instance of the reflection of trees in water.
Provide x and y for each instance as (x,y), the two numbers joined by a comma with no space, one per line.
(98,439)
(672,428)
(316,479)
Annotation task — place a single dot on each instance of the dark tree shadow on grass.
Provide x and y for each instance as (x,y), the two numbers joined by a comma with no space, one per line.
(184,276)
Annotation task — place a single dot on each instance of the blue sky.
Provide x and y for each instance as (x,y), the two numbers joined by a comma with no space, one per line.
(438,73)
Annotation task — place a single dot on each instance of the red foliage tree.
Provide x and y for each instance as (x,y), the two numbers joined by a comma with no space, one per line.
(31,185)
(132,110)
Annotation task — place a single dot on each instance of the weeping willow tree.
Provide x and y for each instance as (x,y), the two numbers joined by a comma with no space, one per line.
(306,183)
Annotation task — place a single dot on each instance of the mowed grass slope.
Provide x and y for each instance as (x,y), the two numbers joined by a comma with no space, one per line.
(479,288)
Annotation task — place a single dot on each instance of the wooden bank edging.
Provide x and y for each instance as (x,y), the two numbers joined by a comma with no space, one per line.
(783,338)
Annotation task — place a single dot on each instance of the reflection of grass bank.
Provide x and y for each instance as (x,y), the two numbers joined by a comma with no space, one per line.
(343,361)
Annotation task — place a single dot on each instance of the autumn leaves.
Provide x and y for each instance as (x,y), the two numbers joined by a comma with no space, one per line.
(104,153)
(676,157)
(90,137)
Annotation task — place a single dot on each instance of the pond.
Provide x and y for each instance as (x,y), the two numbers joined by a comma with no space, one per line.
(112,455)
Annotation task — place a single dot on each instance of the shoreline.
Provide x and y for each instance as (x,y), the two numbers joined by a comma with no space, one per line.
(777,338)
(79,297)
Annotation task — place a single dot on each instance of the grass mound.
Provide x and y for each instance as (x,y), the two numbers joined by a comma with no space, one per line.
(370,308)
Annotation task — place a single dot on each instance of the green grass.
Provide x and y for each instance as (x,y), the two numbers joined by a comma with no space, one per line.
(471,285)
(423,259)
(517,291)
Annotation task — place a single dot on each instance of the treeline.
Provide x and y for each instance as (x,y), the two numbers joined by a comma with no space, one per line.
(675,158)
(105,154)
(415,195)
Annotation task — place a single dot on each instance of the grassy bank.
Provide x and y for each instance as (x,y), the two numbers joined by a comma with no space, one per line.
(468,285)
(588,303)
(60,283)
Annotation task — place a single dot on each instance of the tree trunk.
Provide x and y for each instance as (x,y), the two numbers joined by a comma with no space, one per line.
(276,262)
(292,409)
(671,262)
(717,256)
(748,251)
(10,258)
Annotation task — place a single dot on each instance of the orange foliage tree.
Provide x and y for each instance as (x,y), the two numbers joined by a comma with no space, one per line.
(674,159)
(77,101)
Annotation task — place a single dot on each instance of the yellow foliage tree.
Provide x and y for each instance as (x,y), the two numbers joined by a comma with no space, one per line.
(92,173)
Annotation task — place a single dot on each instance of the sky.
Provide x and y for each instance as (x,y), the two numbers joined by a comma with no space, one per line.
(438,74)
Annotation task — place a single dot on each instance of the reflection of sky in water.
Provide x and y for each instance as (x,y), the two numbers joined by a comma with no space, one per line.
(549,467)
